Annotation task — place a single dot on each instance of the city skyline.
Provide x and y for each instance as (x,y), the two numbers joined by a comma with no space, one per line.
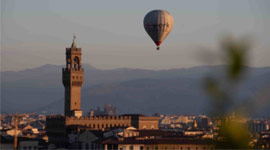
(206,88)
(112,35)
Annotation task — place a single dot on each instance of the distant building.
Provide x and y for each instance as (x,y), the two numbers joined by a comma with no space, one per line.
(204,123)
(258,126)
(28,130)
(130,139)
(108,110)
(11,132)
(156,144)
(263,142)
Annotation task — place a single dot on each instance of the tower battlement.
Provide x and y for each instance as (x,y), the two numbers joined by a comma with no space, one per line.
(118,118)
(73,50)
(66,70)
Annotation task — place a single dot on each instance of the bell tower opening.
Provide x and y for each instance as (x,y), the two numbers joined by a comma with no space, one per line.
(72,77)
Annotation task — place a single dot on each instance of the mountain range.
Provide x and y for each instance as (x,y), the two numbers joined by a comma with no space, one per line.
(173,91)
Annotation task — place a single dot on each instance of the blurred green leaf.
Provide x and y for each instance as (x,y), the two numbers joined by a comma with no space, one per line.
(235,135)
(232,133)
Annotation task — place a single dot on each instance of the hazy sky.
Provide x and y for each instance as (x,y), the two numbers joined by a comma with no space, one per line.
(111,33)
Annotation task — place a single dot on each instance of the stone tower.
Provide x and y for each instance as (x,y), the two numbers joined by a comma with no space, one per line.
(73,80)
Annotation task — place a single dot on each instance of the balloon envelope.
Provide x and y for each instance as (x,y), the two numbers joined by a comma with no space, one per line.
(158,24)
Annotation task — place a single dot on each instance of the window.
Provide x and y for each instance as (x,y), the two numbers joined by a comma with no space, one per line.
(141,147)
(76,63)
(130,147)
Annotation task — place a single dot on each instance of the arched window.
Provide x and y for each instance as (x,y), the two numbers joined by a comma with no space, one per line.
(68,62)
(76,63)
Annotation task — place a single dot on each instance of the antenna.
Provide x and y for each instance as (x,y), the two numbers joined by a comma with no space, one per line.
(73,43)
(74,36)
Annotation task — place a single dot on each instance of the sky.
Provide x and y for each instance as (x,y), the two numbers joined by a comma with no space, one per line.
(111,33)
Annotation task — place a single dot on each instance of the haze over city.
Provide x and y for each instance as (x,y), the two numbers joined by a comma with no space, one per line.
(112,35)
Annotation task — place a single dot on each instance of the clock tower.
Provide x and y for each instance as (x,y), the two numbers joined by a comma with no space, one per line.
(73,80)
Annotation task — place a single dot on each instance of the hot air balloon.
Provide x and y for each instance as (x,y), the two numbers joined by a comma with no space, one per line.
(158,24)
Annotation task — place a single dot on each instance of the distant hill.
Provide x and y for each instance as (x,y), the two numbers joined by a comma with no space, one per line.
(172,91)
